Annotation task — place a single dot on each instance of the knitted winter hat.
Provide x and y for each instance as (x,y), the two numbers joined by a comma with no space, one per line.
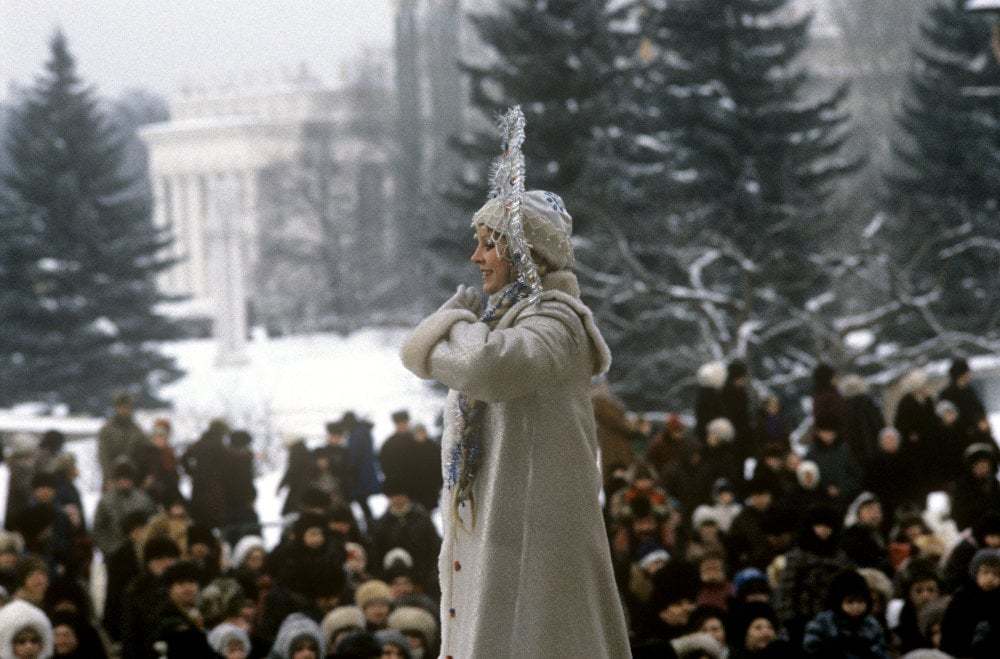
(294,627)
(547,225)
(397,554)
(394,637)
(805,468)
(372,591)
(341,618)
(410,619)
(750,580)
(243,548)
(984,558)
(722,428)
(712,375)
(222,634)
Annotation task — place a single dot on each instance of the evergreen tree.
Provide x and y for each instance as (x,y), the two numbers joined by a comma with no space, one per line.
(79,254)
(553,58)
(943,237)
(722,167)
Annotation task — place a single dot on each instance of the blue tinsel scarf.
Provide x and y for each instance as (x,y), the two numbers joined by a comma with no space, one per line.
(465,457)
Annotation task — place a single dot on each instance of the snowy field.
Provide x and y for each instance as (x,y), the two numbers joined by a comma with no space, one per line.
(290,387)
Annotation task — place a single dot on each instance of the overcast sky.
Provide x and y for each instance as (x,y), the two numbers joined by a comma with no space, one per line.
(160,44)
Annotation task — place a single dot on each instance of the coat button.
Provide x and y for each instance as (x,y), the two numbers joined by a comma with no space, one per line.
(458,566)
(451,612)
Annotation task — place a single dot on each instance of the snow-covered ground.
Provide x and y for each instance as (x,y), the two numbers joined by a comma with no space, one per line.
(289,387)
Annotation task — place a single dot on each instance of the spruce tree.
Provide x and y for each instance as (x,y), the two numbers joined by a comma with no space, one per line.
(80,254)
(554,59)
(722,160)
(943,236)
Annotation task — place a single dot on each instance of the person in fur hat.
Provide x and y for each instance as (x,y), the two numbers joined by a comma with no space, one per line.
(419,627)
(846,628)
(977,490)
(736,407)
(394,644)
(525,563)
(918,427)
(708,399)
(298,638)
(973,425)
(973,616)
(341,622)
(25,632)
(863,418)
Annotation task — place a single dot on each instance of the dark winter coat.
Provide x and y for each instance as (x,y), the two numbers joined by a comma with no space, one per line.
(747,540)
(143,597)
(120,437)
(865,547)
(832,635)
(113,507)
(970,411)
(361,446)
(829,411)
(426,474)
(918,427)
(736,404)
(889,477)
(240,495)
(208,464)
(708,407)
(122,566)
(613,435)
(89,639)
(395,458)
(804,584)
(863,421)
(338,470)
(837,467)
(158,472)
(973,498)
(179,631)
(955,573)
(722,461)
(969,607)
(413,531)
(296,477)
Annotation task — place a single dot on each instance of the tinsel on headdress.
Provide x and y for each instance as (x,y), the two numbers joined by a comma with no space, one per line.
(507,185)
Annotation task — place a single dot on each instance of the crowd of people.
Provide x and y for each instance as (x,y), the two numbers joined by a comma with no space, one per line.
(728,539)
(192,576)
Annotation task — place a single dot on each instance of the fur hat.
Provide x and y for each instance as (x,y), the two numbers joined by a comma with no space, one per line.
(222,599)
(979,451)
(654,556)
(914,380)
(737,369)
(706,515)
(945,407)
(854,509)
(722,428)
(984,558)
(744,615)
(341,618)
(547,225)
(852,385)
(409,619)
(848,583)
(11,542)
(372,591)
(932,614)
(805,468)
(712,375)
(958,368)
(877,582)
(160,546)
(394,637)
(223,633)
(699,644)
(182,572)
(292,628)
(16,616)
(243,548)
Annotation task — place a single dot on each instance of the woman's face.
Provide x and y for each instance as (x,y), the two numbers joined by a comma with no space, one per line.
(760,634)
(255,560)
(27,644)
(497,271)
(64,639)
(714,627)
(391,651)
(304,649)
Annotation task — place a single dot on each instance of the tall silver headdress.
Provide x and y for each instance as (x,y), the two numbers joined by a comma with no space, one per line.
(507,187)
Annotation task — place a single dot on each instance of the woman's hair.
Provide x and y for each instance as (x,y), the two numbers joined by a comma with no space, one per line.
(541,264)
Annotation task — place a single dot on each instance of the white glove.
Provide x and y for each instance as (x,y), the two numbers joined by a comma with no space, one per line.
(465,297)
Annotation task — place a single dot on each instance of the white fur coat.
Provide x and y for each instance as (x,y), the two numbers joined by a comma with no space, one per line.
(533,578)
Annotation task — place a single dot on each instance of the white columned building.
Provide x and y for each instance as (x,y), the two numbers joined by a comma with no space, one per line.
(207,164)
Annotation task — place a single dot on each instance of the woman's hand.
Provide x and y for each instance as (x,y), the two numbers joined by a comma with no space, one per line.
(465,297)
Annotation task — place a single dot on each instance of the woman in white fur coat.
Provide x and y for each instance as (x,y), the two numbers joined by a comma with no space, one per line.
(25,632)
(525,565)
